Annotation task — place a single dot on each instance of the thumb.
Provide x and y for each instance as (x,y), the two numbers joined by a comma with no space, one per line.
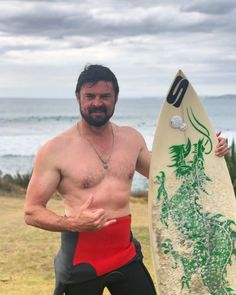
(88,202)
(218,133)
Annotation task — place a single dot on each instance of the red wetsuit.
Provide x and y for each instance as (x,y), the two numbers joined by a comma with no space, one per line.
(106,249)
(87,255)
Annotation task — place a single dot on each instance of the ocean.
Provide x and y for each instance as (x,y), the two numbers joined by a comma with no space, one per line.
(26,124)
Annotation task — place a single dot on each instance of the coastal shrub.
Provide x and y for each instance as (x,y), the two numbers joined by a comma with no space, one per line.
(140,194)
(22,179)
(5,182)
(231,163)
(9,182)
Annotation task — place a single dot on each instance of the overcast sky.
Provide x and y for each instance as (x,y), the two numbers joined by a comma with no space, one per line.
(45,44)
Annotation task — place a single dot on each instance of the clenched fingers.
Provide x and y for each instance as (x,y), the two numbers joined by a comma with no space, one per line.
(100,220)
(222,147)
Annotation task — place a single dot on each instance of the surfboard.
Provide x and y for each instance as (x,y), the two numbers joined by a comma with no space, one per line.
(191,202)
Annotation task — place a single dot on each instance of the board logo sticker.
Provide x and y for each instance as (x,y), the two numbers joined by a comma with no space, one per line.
(177,91)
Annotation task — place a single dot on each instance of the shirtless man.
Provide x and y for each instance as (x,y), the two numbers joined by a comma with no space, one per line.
(92,165)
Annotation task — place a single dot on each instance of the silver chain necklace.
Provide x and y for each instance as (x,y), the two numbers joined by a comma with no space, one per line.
(105,162)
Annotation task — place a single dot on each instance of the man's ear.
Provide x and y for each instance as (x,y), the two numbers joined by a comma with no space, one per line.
(77,97)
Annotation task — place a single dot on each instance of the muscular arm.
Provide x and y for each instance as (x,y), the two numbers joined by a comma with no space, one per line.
(44,182)
(144,158)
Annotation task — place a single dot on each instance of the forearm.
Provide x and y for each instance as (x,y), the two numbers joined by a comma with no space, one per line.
(85,220)
(143,164)
(43,218)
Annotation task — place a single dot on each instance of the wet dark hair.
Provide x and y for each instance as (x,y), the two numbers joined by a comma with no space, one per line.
(94,73)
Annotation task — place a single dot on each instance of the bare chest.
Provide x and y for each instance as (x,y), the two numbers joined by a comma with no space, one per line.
(82,168)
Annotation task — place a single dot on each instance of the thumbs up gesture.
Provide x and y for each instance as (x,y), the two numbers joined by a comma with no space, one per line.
(89,219)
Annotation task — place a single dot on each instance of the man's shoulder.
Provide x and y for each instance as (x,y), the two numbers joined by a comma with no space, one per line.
(58,142)
(130,133)
(127,130)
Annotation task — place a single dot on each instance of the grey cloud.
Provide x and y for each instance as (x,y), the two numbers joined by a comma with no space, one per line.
(58,27)
(143,38)
(218,7)
(72,22)
(19,47)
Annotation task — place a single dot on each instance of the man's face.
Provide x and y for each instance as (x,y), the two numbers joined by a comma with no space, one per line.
(97,102)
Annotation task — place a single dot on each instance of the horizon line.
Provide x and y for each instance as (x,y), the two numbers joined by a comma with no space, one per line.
(127,97)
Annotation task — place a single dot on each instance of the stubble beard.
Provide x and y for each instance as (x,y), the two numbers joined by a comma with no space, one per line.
(99,121)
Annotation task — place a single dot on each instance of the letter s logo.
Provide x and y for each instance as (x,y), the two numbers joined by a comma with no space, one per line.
(177,91)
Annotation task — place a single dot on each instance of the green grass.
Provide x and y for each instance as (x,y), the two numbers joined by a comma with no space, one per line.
(27,253)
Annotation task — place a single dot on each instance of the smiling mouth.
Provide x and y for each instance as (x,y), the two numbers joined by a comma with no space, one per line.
(99,110)
(97,113)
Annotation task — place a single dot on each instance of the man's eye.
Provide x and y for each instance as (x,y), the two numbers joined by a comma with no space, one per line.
(106,97)
(89,96)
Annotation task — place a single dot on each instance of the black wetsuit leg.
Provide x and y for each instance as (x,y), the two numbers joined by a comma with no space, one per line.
(137,281)
(132,279)
(92,287)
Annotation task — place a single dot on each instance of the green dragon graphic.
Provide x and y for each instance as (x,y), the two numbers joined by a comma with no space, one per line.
(211,236)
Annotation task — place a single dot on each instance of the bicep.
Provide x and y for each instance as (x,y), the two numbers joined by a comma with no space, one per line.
(44,182)
(143,161)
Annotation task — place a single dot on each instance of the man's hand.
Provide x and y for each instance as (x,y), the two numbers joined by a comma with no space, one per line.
(222,146)
(88,220)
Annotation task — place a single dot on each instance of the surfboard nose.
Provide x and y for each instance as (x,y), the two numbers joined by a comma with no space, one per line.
(181,73)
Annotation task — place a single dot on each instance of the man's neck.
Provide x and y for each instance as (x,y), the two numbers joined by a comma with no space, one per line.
(91,130)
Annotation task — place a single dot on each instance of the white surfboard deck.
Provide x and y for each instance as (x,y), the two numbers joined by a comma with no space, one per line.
(192,207)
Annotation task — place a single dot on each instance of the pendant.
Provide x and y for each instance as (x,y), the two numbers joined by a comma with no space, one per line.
(105,165)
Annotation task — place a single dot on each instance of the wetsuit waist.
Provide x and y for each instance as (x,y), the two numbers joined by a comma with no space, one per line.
(106,249)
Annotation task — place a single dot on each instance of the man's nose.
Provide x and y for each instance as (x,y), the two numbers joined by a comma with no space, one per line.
(97,101)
